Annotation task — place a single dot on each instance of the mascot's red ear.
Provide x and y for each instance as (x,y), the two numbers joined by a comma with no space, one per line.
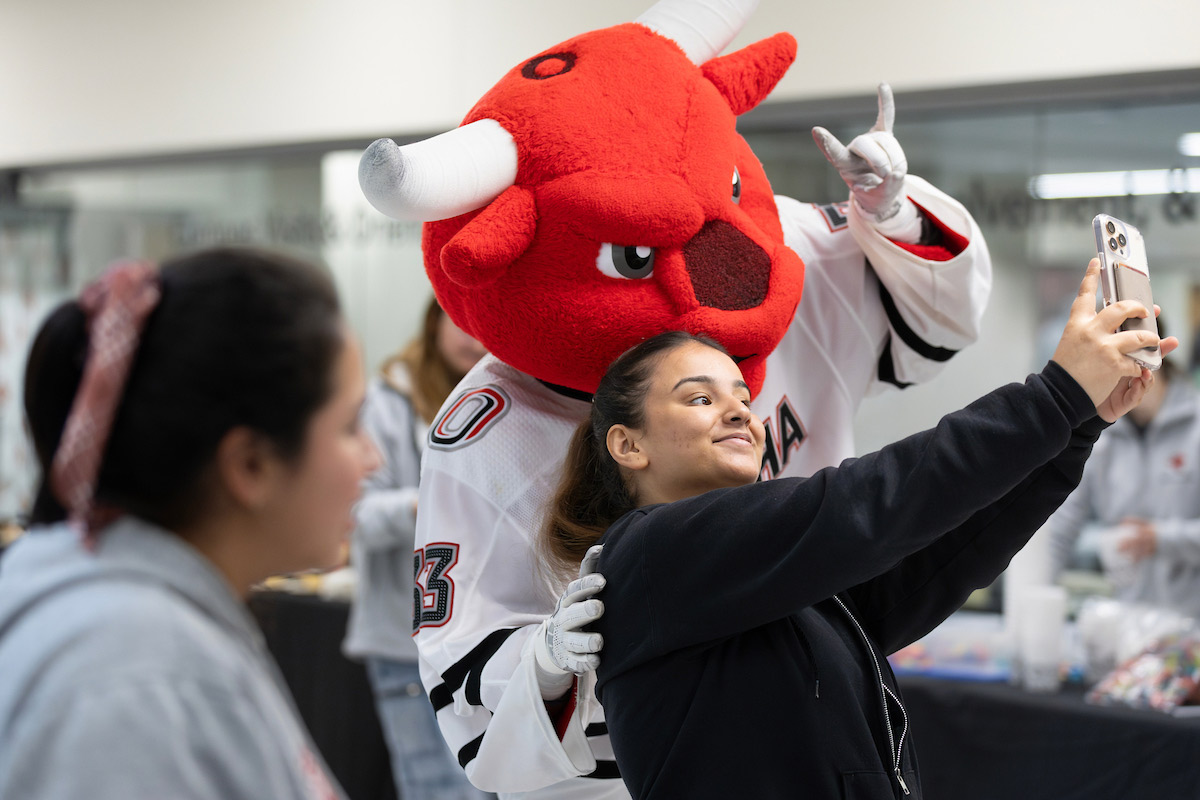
(493,240)
(745,77)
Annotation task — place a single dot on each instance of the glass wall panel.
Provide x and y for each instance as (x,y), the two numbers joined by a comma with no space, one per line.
(1039,244)
(69,224)
(63,226)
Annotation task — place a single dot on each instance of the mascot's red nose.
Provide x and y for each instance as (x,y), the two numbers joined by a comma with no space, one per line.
(728,270)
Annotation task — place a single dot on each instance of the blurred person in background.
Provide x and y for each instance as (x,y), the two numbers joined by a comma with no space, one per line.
(400,405)
(197,431)
(1142,487)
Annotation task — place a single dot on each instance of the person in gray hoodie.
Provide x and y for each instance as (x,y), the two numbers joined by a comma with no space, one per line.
(399,407)
(197,432)
(1142,485)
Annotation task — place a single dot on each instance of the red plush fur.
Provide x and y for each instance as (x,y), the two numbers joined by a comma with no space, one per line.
(492,240)
(621,140)
(746,77)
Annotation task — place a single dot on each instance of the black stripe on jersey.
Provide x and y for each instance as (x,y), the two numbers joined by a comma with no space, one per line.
(471,666)
(441,696)
(469,751)
(596,729)
(907,334)
(605,770)
(887,369)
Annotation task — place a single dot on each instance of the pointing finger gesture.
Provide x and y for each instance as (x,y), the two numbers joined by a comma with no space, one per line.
(874,165)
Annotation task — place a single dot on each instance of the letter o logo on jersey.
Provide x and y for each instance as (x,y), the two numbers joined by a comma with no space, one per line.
(468,418)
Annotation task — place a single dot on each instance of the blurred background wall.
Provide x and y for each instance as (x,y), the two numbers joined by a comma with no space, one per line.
(87,80)
(137,128)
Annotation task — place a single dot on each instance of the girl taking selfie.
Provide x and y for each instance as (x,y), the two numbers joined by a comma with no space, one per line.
(746,624)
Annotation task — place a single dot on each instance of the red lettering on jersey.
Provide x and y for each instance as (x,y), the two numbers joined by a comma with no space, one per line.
(785,434)
(468,418)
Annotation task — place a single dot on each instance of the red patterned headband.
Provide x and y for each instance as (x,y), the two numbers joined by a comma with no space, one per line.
(116,306)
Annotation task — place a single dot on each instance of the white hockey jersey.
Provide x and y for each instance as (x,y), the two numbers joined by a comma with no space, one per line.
(871,314)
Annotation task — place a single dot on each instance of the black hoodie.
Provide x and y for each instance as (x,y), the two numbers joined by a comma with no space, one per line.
(745,630)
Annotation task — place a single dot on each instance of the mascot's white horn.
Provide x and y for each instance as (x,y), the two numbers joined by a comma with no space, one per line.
(441,177)
(703,28)
(466,168)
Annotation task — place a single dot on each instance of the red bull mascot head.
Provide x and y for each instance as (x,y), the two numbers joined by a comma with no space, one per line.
(600,193)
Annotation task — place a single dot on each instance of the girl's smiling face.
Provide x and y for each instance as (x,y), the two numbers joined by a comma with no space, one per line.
(698,432)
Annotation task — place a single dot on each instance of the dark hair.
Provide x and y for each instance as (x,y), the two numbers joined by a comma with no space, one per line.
(592,494)
(432,376)
(240,337)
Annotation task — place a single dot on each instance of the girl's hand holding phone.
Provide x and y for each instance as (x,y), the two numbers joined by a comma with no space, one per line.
(1095,352)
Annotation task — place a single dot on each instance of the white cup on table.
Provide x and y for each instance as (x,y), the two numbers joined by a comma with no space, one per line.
(1041,613)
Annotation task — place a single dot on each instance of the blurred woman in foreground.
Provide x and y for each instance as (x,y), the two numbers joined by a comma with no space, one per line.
(197,428)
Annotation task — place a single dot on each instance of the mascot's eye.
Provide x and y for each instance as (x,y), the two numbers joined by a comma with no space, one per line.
(619,261)
(737,186)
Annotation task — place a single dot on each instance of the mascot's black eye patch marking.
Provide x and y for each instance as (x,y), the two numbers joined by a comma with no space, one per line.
(548,66)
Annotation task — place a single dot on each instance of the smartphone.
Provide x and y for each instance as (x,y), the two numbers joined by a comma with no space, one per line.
(1125,275)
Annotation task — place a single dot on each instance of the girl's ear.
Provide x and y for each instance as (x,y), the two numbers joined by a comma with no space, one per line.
(247,466)
(624,446)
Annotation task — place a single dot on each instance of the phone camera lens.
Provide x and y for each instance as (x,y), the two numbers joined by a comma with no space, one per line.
(1112,244)
(1111,228)
(1121,239)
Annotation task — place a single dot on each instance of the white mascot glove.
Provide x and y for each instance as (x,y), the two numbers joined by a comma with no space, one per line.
(560,647)
(874,167)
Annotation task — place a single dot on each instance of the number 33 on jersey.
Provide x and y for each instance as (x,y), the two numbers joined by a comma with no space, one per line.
(433,589)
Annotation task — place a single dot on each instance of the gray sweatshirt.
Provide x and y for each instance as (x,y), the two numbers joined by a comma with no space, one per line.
(381,548)
(1152,475)
(136,672)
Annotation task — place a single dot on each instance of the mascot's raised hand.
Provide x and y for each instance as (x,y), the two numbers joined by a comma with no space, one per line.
(874,167)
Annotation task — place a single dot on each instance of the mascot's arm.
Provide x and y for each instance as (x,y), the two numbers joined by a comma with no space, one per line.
(478,661)
(924,247)
(882,311)
(933,295)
